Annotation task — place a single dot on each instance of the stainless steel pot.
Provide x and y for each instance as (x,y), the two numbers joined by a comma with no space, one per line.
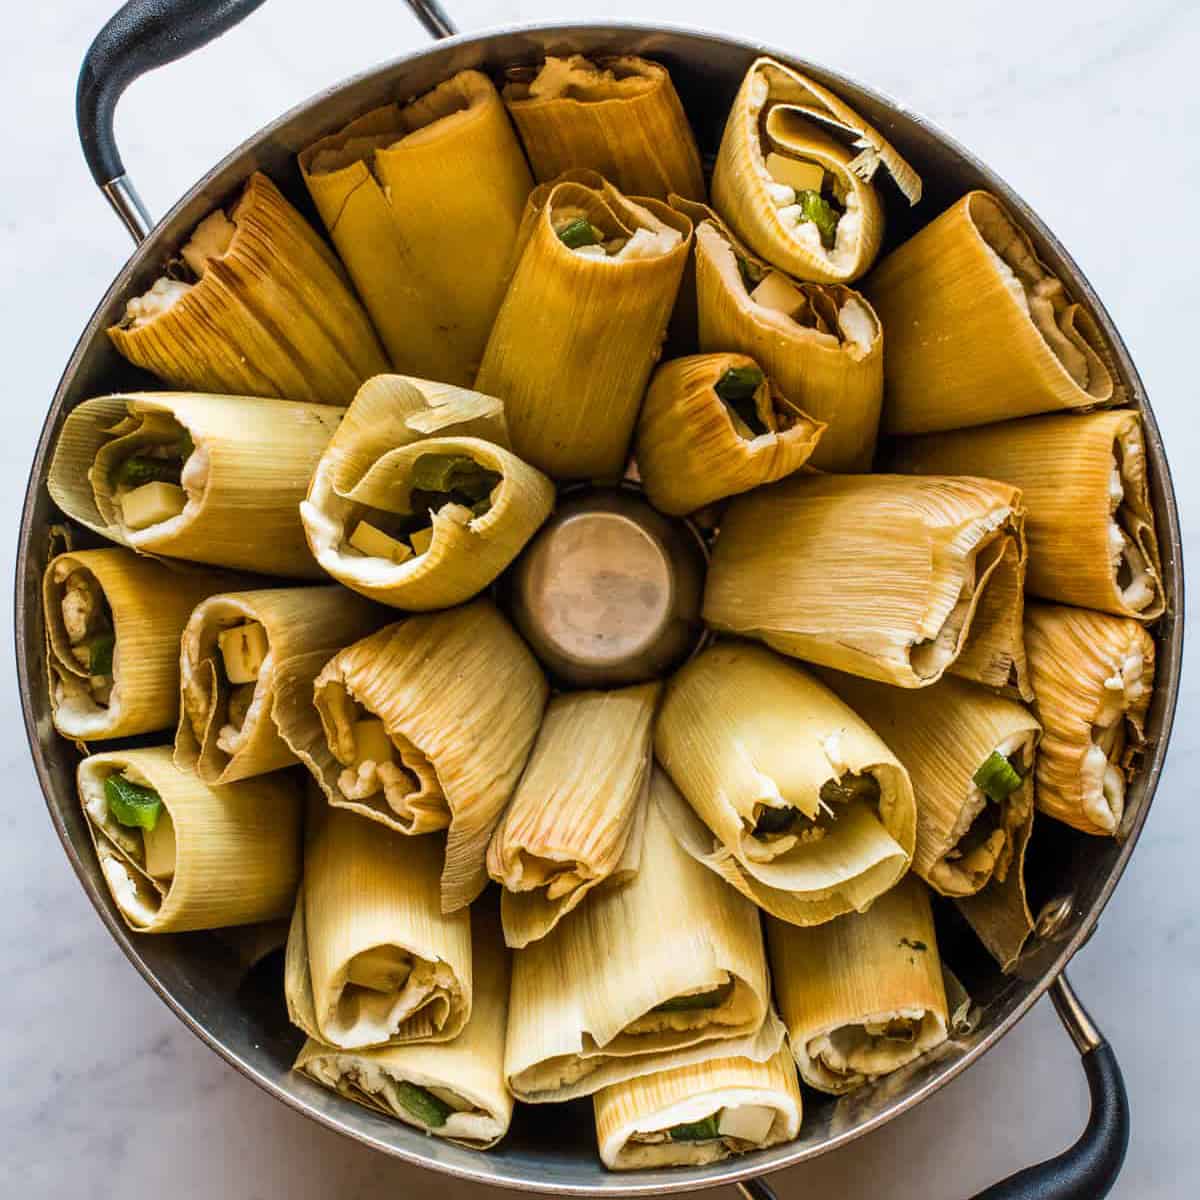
(204,979)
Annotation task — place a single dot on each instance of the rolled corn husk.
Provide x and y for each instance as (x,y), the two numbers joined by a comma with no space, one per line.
(423,202)
(236,848)
(979,329)
(577,816)
(620,116)
(844,986)
(576,337)
(581,1014)
(779,110)
(692,448)
(882,576)
(147,606)
(246,475)
(743,733)
(634,1118)
(1093,675)
(470,1067)
(1088,519)
(824,352)
(461,699)
(271,313)
(371,958)
(969,845)
(304,628)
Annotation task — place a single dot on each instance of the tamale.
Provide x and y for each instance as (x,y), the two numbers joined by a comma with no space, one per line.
(863,995)
(794,799)
(113,621)
(428,724)
(577,816)
(1088,519)
(582,323)
(184,475)
(821,344)
(620,116)
(1093,675)
(713,425)
(178,854)
(689,1116)
(979,329)
(452,1089)
(660,972)
(883,576)
(371,958)
(794,176)
(247,661)
(423,202)
(255,305)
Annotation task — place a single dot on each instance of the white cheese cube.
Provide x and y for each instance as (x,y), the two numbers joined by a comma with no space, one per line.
(422,539)
(159,847)
(374,543)
(777,291)
(151,503)
(371,742)
(750,1122)
(795,172)
(243,648)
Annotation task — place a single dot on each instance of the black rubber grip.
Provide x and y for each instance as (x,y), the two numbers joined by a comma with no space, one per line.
(141,35)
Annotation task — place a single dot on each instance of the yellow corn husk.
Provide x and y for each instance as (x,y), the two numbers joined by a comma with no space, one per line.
(582,1012)
(271,314)
(883,576)
(576,338)
(461,699)
(577,816)
(237,848)
(371,958)
(826,357)
(961,302)
(620,116)
(869,969)
(692,448)
(247,474)
(470,1066)
(779,110)
(632,1118)
(423,202)
(968,846)
(1088,519)
(742,730)
(148,606)
(1093,675)
(305,627)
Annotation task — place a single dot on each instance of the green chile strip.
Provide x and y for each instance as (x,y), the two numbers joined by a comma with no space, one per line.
(100,651)
(440,479)
(695,1131)
(422,1104)
(833,791)
(579,232)
(139,469)
(132,805)
(997,777)
(815,208)
(736,388)
(713,998)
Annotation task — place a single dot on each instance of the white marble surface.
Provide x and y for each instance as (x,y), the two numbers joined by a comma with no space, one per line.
(1090,111)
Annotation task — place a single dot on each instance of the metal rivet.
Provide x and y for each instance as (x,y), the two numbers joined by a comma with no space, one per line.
(1053,916)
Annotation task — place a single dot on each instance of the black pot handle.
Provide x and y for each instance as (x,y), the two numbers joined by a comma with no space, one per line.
(142,35)
(1088,1170)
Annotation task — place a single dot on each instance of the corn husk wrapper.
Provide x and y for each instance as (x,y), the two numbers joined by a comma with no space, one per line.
(1064,466)
(576,338)
(943,734)
(247,474)
(619,116)
(461,698)
(652,1103)
(272,316)
(580,1013)
(827,360)
(779,109)
(470,1065)
(149,604)
(742,728)
(1093,675)
(423,202)
(370,892)
(237,848)
(690,450)
(882,576)
(864,969)
(305,627)
(578,814)
(965,327)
